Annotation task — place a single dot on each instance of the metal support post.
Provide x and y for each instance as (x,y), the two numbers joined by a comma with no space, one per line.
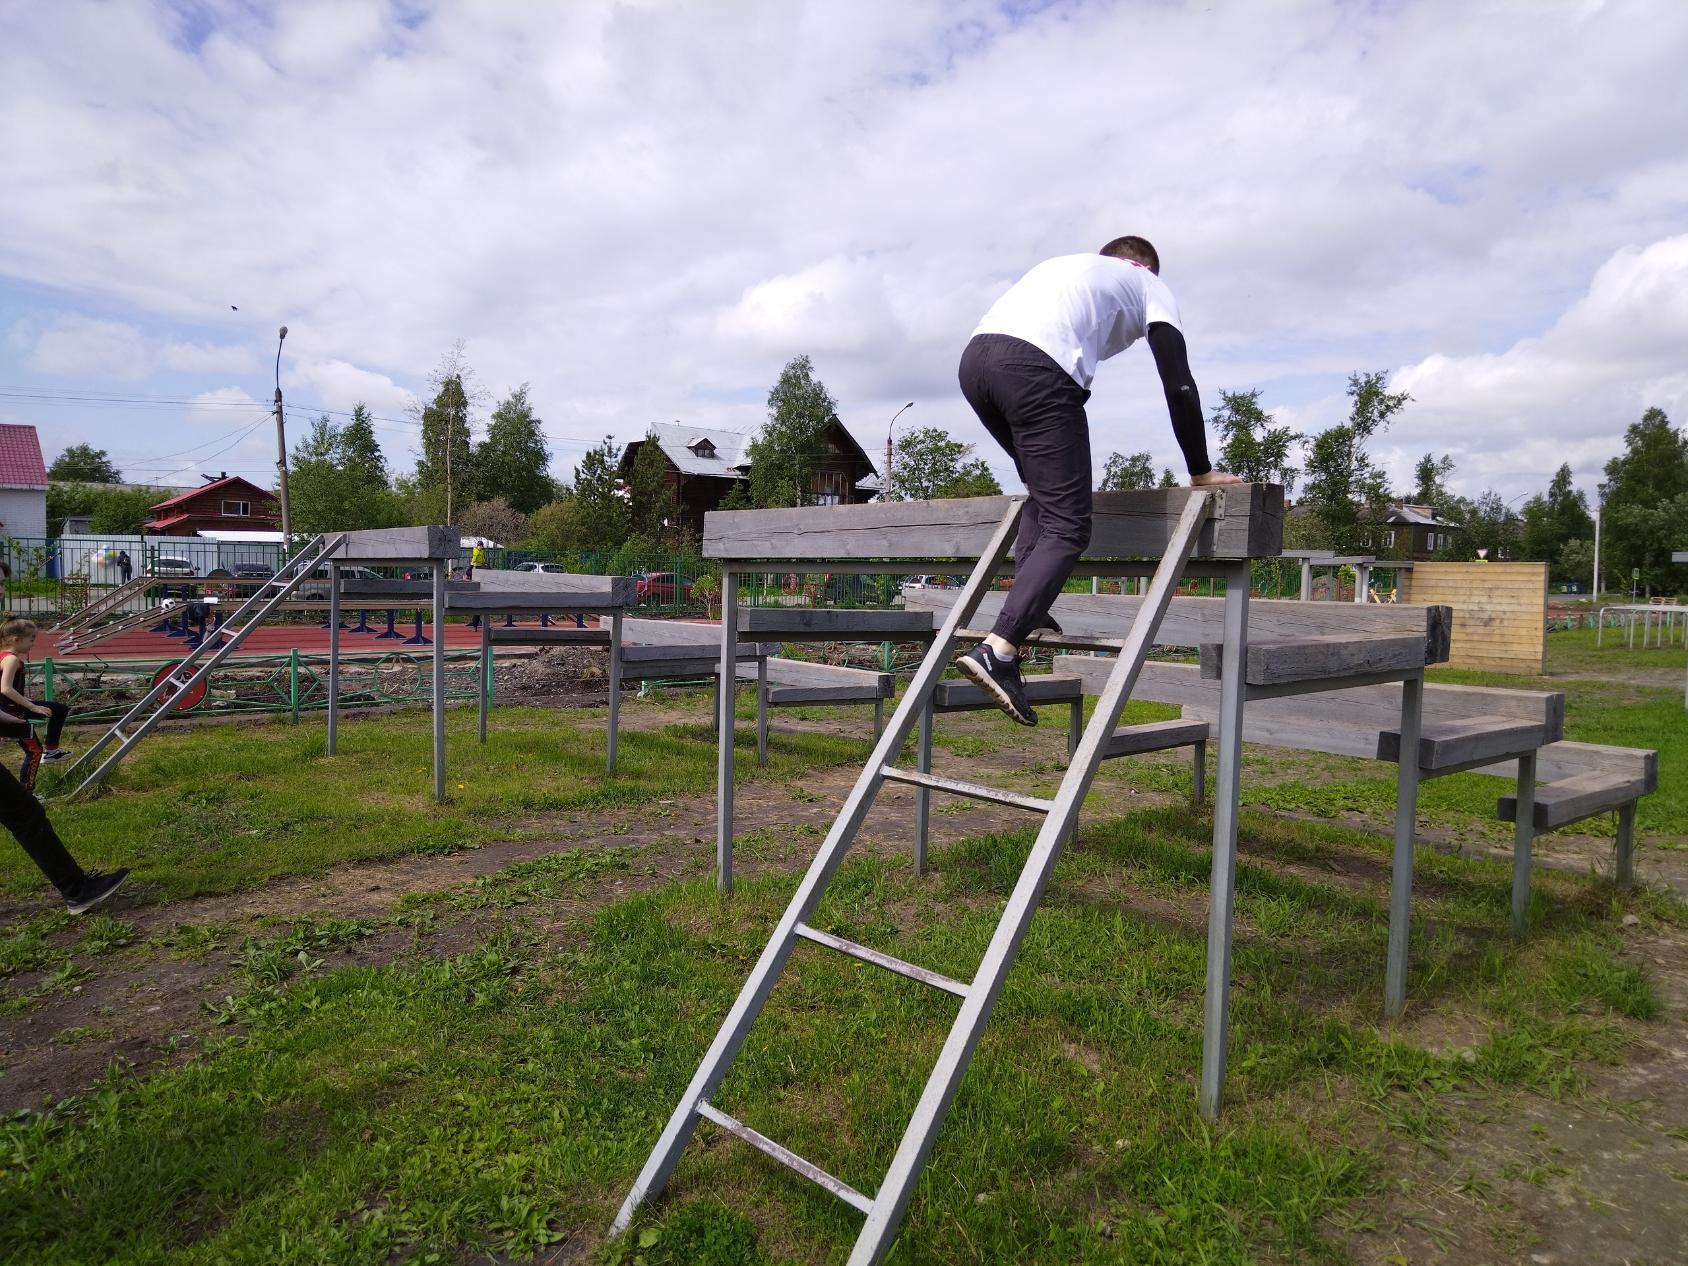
(1523,841)
(878,718)
(724,686)
(1626,845)
(615,688)
(1307,580)
(1198,776)
(923,795)
(440,566)
(1406,834)
(762,711)
(1226,805)
(485,691)
(293,683)
(1075,725)
(333,656)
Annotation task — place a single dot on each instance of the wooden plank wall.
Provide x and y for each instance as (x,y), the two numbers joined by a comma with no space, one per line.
(1500,611)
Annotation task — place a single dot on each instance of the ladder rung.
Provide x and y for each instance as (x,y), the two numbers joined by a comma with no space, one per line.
(785,1156)
(937,981)
(971,789)
(1058,641)
(121,736)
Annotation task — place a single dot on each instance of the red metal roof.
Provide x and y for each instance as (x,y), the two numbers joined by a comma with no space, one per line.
(20,456)
(227,481)
(164,523)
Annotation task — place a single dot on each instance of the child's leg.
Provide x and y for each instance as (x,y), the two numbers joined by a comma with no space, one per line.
(21,814)
(55,723)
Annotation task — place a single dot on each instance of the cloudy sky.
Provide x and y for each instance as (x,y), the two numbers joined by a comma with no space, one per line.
(643,209)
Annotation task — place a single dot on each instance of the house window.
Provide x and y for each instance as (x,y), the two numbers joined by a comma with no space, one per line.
(1430,542)
(829,499)
(237,509)
(1389,539)
(703,447)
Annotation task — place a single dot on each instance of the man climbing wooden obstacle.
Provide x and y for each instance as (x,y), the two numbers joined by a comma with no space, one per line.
(1027,373)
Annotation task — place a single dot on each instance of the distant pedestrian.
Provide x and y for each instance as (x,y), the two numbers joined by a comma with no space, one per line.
(125,568)
(477,558)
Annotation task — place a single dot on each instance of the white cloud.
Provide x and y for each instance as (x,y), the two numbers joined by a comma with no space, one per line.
(207,358)
(83,347)
(334,384)
(1563,395)
(644,209)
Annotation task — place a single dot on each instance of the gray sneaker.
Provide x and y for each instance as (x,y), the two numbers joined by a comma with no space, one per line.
(94,889)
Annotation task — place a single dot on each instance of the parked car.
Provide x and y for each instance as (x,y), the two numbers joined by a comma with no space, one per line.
(319,593)
(555,569)
(252,571)
(660,586)
(173,567)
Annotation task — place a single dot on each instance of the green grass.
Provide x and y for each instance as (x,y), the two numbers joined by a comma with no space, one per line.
(501,1098)
(222,809)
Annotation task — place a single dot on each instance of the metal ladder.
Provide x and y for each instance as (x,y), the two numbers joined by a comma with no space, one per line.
(92,635)
(110,600)
(884,1209)
(160,701)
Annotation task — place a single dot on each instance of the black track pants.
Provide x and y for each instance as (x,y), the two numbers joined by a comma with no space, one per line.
(1034,409)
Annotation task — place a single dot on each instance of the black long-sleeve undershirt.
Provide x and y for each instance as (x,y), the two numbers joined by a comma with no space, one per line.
(1183,402)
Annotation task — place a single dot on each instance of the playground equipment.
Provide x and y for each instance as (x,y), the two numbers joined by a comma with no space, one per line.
(432,547)
(1204,532)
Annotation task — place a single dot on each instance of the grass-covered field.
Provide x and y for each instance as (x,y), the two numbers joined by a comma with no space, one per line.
(475,1072)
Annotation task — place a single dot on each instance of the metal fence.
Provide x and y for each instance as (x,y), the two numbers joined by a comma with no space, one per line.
(291,683)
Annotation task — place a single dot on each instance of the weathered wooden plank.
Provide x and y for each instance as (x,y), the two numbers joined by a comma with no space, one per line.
(538,601)
(964,696)
(683,667)
(1153,736)
(1444,744)
(1572,799)
(1248,524)
(638,652)
(800,623)
(790,696)
(1562,760)
(400,545)
(801,672)
(355,589)
(625,589)
(672,632)
(527,635)
(1317,658)
(1194,621)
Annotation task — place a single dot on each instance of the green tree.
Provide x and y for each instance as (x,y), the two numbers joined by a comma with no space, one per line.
(601,514)
(83,463)
(1127,474)
(791,446)
(1250,447)
(930,463)
(513,461)
(1552,521)
(555,526)
(1642,482)
(360,451)
(333,482)
(1344,486)
(1168,479)
(497,520)
(123,511)
(1488,523)
(447,458)
(652,509)
(1430,483)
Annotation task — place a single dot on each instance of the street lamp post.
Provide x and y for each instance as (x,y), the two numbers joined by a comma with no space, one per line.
(281,451)
(886,494)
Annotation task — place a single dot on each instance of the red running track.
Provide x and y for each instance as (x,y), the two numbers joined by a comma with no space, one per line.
(275,639)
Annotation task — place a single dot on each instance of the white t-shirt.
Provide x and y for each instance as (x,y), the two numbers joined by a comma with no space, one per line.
(1082,309)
